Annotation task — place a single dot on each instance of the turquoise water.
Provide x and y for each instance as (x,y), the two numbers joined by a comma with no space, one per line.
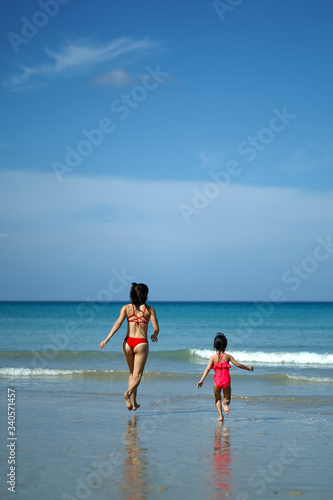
(295,327)
(287,343)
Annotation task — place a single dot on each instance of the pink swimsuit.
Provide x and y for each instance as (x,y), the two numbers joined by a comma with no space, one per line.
(222,375)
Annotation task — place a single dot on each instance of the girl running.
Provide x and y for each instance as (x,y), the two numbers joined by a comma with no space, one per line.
(220,363)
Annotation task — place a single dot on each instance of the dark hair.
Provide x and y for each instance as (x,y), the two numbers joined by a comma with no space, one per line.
(139,294)
(220,342)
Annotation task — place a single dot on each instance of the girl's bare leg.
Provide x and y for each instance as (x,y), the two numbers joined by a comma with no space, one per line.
(140,358)
(217,394)
(227,399)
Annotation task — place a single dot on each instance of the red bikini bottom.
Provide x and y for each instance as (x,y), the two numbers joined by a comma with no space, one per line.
(132,342)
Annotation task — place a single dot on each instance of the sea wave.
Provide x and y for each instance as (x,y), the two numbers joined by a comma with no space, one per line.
(59,354)
(277,358)
(122,375)
(49,372)
(11,372)
(310,380)
(194,355)
(288,378)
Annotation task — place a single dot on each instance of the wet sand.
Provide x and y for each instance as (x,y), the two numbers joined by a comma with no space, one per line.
(77,440)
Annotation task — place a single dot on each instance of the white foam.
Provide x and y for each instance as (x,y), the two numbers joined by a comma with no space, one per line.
(263,358)
(202,353)
(37,372)
(316,380)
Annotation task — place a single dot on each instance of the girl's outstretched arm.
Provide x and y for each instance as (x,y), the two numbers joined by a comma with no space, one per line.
(239,365)
(205,373)
(115,327)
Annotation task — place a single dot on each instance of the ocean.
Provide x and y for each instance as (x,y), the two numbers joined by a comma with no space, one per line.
(67,391)
(285,343)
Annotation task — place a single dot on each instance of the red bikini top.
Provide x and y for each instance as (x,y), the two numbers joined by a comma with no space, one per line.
(138,320)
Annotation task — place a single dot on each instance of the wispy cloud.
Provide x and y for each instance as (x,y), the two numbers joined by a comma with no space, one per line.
(81,58)
(114,78)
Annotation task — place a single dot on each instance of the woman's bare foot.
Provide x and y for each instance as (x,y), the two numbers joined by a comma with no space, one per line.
(128,401)
(220,419)
(136,406)
(225,407)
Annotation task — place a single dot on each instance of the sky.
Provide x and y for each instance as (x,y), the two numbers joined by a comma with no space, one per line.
(183,144)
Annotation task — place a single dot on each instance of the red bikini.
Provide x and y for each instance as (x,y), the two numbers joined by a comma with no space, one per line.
(138,319)
(132,342)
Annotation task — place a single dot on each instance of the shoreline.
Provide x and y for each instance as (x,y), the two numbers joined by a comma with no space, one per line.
(73,438)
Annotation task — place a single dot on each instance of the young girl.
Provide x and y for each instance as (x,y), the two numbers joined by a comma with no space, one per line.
(220,363)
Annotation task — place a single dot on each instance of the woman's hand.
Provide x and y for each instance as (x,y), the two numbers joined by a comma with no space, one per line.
(250,368)
(154,338)
(200,384)
(102,344)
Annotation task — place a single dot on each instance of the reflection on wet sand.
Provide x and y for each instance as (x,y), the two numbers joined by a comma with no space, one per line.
(135,464)
(221,461)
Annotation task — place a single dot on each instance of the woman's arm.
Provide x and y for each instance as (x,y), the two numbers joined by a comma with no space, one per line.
(239,365)
(154,322)
(205,373)
(115,327)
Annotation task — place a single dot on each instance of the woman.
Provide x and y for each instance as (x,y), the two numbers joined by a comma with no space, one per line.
(135,344)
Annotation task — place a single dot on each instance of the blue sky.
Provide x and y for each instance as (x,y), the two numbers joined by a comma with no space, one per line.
(185,144)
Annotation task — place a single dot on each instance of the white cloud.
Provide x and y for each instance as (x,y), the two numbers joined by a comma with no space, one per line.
(244,233)
(81,58)
(114,78)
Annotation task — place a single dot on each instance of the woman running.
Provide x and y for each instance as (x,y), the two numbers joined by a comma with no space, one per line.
(135,344)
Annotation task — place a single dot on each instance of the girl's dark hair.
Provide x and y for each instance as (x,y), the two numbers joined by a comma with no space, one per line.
(139,294)
(220,342)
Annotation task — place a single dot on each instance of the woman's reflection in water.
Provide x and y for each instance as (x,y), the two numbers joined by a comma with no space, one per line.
(221,461)
(135,464)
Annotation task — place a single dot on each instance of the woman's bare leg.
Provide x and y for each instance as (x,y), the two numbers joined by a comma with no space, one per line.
(140,358)
(217,394)
(129,356)
(227,399)
(133,400)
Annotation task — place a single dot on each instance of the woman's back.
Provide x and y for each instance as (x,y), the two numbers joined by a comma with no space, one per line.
(137,320)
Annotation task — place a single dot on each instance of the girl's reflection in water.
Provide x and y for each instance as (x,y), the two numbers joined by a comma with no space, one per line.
(221,461)
(135,464)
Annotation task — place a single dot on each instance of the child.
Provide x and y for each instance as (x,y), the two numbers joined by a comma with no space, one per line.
(220,363)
